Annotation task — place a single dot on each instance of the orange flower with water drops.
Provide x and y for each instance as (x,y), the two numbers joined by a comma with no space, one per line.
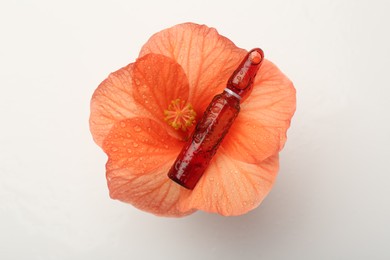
(144,113)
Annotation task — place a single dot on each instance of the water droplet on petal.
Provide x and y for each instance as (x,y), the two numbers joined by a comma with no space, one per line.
(135,145)
(129,150)
(137,128)
(123,124)
(114,149)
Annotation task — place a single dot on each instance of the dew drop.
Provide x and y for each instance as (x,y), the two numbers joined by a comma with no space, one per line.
(129,150)
(123,124)
(137,82)
(135,145)
(137,128)
(114,149)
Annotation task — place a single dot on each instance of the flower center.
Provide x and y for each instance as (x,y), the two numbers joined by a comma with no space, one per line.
(180,115)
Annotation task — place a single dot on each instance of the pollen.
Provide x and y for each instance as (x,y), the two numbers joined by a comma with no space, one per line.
(180,115)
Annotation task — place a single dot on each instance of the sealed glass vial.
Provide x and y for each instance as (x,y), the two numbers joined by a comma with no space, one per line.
(216,121)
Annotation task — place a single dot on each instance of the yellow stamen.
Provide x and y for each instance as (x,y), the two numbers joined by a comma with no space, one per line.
(180,115)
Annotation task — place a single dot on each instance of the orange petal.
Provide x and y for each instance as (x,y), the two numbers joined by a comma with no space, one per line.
(158,80)
(230,187)
(207,58)
(260,129)
(140,153)
(112,101)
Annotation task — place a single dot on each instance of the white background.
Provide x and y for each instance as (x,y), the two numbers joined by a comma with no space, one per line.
(332,196)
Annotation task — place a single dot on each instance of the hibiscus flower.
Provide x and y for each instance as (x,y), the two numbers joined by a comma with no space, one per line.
(142,115)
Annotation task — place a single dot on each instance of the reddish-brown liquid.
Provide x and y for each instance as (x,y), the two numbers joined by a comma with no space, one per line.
(209,132)
(215,123)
